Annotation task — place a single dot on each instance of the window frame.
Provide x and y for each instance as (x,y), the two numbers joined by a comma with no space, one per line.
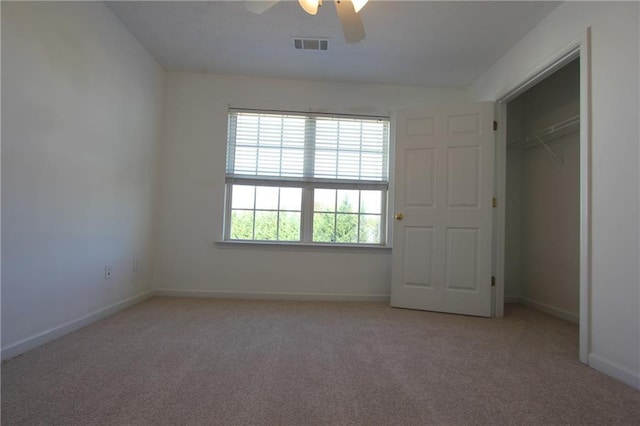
(308,186)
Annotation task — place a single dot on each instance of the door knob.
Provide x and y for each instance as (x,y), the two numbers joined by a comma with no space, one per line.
(398,216)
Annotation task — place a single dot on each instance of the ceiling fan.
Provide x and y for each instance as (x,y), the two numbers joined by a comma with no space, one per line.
(347,12)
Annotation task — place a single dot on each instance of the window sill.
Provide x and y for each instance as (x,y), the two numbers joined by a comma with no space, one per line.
(274,245)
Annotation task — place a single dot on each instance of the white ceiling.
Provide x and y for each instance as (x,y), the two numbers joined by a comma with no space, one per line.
(425,43)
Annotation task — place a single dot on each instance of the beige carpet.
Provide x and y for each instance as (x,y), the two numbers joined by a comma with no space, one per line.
(203,361)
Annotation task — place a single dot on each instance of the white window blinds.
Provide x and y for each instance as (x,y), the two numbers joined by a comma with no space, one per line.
(307,147)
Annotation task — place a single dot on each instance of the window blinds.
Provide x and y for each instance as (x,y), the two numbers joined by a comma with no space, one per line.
(307,147)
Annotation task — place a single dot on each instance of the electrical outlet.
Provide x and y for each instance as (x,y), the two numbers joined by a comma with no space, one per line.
(135,265)
(107,272)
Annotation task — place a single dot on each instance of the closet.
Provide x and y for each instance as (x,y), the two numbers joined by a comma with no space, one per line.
(543,195)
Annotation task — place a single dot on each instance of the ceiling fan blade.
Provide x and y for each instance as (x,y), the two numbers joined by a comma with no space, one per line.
(259,6)
(351,23)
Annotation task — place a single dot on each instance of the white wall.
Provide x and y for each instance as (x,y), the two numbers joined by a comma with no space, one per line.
(543,208)
(513,203)
(550,228)
(513,228)
(81,111)
(615,230)
(192,191)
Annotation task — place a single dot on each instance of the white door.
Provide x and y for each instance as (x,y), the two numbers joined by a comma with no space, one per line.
(442,236)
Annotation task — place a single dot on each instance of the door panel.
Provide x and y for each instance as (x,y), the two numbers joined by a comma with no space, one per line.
(420,188)
(464,178)
(444,190)
(462,259)
(418,246)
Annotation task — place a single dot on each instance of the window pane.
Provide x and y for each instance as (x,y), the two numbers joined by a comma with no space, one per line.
(353,143)
(292,163)
(348,201)
(324,200)
(373,166)
(267,198)
(326,134)
(270,130)
(325,164)
(290,199)
(347,228)
(370,229)
(242,225)
(350,135)
(242,197)
(262,140)
(293,130)
(289,229)
(323,227)
(372,129)
(349,165)
(266,226)
(370,201)
(268,161)
(245,160)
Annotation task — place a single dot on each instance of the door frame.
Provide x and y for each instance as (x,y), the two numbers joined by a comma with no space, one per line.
(579,48)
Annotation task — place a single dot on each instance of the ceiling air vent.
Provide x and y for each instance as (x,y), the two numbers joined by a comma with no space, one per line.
(310,44)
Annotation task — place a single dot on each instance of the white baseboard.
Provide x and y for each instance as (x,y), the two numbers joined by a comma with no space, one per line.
(47,336)
(258,295)
(551,310)
(611,369)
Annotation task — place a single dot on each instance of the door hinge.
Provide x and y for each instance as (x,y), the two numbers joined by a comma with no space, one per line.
(494,202)
(495,125)
(493,281)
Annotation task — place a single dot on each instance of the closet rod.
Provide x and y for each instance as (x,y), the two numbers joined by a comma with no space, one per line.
(537,138)
(559,126)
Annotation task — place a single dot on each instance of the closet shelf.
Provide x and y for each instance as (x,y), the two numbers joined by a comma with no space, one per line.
(564,127)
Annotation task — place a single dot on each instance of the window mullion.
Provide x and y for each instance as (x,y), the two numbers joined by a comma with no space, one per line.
(253,232)
(335,217)
(258,149)
(278,216)
(384,226)
(309,147)
(360,156)
(359,215)
(281,147)
(228,211)
(308,172)
(306,227)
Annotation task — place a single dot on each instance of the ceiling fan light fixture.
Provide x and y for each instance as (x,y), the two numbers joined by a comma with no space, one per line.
(358,4)
(310,6)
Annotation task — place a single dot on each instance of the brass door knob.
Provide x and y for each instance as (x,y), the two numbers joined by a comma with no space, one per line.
(398,216)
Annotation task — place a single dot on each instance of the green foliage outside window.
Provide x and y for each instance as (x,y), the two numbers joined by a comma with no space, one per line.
(266,226)
(340,226)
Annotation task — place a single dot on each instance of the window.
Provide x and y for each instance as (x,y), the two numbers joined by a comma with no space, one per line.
(308,178)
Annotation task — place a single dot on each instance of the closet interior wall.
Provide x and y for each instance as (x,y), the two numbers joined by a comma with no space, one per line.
(543,196)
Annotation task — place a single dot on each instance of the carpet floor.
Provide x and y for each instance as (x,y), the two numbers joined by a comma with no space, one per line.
(172,361)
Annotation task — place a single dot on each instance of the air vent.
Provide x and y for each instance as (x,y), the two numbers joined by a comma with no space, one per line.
(310,44)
